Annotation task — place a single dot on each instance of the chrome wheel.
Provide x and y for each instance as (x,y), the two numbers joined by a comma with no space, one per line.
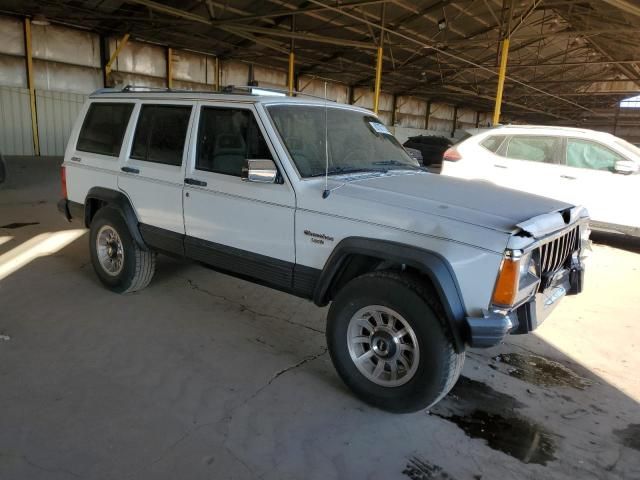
(383,346)
(110,250)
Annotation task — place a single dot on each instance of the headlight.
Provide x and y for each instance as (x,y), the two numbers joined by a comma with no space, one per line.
(527,266)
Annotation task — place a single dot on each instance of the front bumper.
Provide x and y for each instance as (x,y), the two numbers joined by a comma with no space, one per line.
(494,326)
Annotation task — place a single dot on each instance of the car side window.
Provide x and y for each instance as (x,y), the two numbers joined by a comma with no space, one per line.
(493,142)
(103,128)
(533,148)
(591,155)
(161,133)
(227,137)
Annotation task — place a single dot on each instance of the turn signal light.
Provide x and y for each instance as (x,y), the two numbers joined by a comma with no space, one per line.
(63,179)
(506,289)
(451,155)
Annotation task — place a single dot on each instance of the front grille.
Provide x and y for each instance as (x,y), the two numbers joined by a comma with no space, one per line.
(556,253)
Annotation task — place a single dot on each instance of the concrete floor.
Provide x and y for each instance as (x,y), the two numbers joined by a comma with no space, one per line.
(205,376)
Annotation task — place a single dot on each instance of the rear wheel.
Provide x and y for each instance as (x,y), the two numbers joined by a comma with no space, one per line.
(387,340)
(121,265)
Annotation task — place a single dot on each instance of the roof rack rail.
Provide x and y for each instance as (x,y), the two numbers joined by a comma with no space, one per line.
(254,90)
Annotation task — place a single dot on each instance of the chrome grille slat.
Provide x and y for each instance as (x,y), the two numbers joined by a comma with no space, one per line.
(554,254)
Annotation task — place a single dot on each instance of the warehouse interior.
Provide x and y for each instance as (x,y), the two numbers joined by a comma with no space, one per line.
(204,375)
(436,64)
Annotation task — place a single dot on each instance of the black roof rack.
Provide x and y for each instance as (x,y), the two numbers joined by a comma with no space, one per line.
(226,90)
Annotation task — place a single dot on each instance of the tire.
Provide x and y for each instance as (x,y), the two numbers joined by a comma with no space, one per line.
(425,375)
(130,272)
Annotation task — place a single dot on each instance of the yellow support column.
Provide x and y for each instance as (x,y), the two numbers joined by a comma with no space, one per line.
(31,85)
(169,68)
(121,45)
(501,76)
(376,92)
(290,80)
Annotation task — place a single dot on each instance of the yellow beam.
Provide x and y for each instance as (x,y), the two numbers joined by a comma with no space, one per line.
(292,60)
(376,92)
(115,54)
(169,67)
(31,85)
(501,76)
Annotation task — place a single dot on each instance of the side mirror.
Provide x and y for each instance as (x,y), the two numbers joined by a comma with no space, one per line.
(626,167)
(260,171)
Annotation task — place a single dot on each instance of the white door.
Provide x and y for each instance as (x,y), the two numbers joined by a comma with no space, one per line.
(532,163)
(152,174)
(235,225)
(590,180)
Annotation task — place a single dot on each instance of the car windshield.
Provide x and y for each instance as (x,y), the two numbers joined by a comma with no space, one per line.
(628,146)
(356,141)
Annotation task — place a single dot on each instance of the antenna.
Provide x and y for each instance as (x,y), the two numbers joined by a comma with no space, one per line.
(326,191)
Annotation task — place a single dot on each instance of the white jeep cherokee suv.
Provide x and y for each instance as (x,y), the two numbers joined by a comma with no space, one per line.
(321,201)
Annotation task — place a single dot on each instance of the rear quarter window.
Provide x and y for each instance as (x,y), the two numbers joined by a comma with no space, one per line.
(493,142)
(104,127)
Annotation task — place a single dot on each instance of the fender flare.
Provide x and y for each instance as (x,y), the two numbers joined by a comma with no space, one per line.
(120,201)
(432,264)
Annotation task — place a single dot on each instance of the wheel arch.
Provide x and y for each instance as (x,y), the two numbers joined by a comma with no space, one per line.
(99,197)
(371,254)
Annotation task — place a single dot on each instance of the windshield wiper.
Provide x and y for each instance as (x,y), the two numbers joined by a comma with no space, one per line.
(343,170)
(396,163)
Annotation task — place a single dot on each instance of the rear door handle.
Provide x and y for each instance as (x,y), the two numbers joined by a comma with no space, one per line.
(75,159)
(193,181)
(499,166)
(130,170)
(568,177)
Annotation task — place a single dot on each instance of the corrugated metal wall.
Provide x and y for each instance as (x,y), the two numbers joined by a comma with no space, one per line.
(67,68)
(57,112)
(15,121)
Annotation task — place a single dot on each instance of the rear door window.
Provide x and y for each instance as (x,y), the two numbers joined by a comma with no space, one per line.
(536,148)
(161,133)
(104,127)
(227,137)
(591,155)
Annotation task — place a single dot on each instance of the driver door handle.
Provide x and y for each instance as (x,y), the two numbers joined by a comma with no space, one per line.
(568,177)
(193,181)
(499,166)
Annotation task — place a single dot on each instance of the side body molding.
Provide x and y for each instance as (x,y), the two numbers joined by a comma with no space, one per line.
(430,263)
(119,201)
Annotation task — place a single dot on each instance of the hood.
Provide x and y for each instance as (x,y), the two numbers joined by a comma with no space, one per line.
(471,201)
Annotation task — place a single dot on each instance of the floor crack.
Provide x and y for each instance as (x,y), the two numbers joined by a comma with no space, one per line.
(37,466)
(244,308)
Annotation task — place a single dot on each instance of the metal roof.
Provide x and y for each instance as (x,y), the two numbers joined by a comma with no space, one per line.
(569,59)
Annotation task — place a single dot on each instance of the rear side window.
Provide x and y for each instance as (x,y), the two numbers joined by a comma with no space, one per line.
(493,142)
(534,148)
(161,133)
(591,155)
(227,137)
(103,128)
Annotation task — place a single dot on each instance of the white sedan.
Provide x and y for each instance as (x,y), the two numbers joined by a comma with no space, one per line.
(579,166)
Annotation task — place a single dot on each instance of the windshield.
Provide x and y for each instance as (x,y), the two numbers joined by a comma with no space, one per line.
(628,146)
(356,142)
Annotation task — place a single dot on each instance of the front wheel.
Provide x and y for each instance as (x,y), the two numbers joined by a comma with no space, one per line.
(387,341)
